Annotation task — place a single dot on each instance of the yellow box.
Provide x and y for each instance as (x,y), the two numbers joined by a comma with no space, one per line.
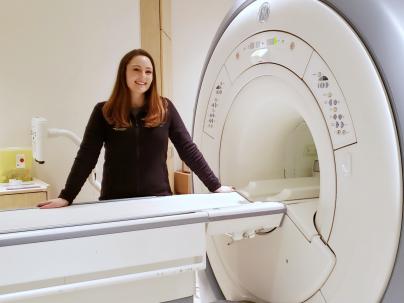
(15,163)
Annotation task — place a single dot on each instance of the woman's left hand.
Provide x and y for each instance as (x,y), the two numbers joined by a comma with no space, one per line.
(225,189)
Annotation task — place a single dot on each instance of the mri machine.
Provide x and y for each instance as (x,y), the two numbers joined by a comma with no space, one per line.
(299,108)
(300,102)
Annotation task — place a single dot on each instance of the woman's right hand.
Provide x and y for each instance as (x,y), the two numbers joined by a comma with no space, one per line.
(53,203)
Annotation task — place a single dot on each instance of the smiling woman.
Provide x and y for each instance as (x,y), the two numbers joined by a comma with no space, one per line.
(139,75)
(134,126)
(136,73)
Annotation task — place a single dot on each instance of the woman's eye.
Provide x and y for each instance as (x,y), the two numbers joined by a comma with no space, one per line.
(148,72)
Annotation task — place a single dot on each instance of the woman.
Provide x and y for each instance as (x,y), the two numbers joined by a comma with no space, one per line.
(134,126)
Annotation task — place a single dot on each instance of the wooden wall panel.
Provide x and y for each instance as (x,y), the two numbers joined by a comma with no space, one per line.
(155,20)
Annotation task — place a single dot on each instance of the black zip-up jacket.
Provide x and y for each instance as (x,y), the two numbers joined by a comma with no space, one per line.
(135,157)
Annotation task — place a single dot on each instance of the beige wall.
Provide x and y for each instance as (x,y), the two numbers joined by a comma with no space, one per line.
(58,59)
(194,24)
(150,16)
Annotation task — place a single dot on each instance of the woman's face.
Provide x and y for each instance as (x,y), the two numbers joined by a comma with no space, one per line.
(139,75)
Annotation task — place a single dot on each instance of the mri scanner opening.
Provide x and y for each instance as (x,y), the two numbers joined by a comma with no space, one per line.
(265,132)
(274,149)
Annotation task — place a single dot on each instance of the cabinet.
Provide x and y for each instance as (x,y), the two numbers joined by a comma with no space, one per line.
(23,195)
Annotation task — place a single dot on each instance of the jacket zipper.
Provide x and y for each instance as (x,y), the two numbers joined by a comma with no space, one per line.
(137,135)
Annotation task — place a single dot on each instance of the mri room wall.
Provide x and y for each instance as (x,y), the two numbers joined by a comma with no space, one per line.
(192,34)
(58,59)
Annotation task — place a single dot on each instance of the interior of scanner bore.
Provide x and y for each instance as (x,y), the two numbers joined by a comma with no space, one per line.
(267,150)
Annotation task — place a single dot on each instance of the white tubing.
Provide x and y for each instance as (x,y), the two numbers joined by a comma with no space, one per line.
(94,182)
(55,132)
(68,288)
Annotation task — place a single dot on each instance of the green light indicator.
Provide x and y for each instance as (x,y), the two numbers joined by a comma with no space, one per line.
(272,41)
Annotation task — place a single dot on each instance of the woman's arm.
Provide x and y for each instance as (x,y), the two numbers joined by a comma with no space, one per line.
(188,151)
(84,162)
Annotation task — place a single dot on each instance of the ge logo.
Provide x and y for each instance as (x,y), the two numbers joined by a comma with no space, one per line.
(264,11)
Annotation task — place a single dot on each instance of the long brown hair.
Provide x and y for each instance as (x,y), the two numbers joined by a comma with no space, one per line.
(117,109)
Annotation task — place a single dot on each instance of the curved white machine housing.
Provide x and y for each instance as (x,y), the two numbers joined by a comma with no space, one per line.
(290,87)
